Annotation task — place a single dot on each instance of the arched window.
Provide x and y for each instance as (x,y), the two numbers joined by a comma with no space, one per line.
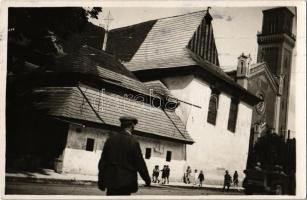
(213,107)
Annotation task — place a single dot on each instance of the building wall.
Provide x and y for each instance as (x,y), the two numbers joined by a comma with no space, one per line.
(78,160)
(285,69)
(215,149)
(278,55)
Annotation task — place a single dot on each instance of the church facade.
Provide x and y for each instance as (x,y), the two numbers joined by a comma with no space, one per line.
(269,78)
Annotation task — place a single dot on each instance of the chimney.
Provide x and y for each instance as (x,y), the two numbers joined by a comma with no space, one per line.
(243,68)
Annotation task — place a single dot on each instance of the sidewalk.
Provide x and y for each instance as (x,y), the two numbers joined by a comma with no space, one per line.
(49,176)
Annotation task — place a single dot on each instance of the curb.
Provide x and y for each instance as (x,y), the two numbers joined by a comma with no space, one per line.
(205,188)
(57,181)
(49,180)
(94,183)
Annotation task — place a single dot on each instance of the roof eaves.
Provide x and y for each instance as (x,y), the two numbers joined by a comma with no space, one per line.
(184,136)
(222,75)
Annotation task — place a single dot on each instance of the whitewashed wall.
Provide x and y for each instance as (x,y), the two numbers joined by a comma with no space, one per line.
(215,149)
(78,160)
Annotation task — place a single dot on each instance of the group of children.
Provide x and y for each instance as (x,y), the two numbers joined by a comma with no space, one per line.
(195,178)
(198,177)
(165,174)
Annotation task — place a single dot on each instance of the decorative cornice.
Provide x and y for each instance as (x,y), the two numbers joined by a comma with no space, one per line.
(273,38)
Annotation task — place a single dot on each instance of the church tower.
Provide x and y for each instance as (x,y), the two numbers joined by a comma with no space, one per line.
(275,46)
(243,70)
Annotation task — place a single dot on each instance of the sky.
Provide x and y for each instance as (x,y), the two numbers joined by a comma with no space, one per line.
(235,31)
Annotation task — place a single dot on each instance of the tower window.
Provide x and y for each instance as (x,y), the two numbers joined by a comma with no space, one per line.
(168,156)
(242,65)
(147,153)
(232,120)
(213,107)
(89,144)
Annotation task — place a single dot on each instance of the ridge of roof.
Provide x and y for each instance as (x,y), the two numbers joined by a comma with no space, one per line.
(254,65)
(157,19)
(189,13)
(131,26)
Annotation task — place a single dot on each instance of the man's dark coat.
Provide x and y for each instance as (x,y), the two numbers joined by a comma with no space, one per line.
(120,161)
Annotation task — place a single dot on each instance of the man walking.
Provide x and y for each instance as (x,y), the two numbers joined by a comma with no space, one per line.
(120,161)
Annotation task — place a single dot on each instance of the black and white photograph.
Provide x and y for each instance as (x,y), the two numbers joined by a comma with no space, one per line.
(178,100)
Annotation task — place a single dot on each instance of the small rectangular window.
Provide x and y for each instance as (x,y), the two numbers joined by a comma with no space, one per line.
(168,156)
(148,153)
(233,113)
(90,144)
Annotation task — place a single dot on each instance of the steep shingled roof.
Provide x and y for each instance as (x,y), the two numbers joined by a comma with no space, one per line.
(69,102)
(162,43)
(124,42)
(90,61)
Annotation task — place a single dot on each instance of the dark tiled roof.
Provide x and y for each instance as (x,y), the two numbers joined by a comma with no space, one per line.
(93,35)
(88,60)
(158,43)
(165,44)
(124,42)
(68,102)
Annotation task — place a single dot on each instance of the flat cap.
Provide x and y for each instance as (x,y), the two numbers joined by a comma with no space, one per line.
(127,118)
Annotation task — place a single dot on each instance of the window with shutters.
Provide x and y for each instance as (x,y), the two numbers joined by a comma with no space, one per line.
(213,107)
(232,120)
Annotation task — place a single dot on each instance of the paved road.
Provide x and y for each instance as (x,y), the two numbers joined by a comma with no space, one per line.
(68,189)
